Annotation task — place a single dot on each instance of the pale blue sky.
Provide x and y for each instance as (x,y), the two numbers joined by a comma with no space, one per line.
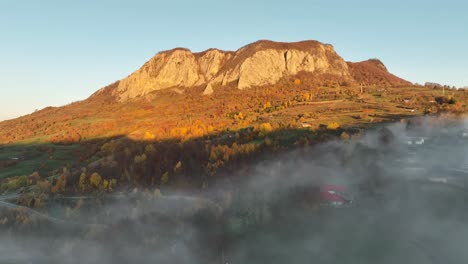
(56,52)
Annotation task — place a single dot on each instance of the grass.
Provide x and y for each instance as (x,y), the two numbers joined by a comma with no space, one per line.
(288,137)
(41,158)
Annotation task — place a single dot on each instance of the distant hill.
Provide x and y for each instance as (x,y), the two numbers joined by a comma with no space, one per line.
(374,72)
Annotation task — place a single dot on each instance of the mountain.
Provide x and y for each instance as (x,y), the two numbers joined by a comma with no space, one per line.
(258,64)
(178,89)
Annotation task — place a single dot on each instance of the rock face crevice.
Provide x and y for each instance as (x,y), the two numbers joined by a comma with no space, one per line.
(257,64)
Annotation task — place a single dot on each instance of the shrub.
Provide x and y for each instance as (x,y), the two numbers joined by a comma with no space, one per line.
(333,126)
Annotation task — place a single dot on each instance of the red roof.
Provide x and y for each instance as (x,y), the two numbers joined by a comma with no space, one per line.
(332,193)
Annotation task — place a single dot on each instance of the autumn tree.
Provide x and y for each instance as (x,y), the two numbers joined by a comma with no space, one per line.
(264,129)
(44,186)
(95,180)
(178,167)
(333,126)
(59,186)
(83,183)
(165,178)
(61,183)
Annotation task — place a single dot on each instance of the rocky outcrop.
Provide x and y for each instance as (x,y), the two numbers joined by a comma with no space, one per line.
(167,69)
(208,89)
(211,61)
(257,64)
(269,65)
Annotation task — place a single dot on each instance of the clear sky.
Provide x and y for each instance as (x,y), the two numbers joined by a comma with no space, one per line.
(57,52)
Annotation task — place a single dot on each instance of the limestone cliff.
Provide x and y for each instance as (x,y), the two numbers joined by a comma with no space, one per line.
(257,64)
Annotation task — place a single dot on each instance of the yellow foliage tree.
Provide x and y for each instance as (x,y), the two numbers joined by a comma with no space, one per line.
(83,182)
(264,129)
(95,180)
(44,186)
(140,158)
(150,149)
(165,178)
(239,116)
(178,167)
(59,186)
(333,125)
(266,105)
(149,136)
(210,129)
(105,185)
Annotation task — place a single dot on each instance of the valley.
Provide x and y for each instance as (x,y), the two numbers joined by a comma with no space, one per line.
(224,157)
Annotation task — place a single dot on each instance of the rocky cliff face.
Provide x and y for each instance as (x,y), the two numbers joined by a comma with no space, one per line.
(267,62)
(257,64)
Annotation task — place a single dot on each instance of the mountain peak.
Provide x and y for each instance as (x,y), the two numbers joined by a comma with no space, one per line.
(261,63)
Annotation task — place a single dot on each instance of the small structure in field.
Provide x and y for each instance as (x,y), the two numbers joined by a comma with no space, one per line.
(465,133)
(415,140)
(335,196)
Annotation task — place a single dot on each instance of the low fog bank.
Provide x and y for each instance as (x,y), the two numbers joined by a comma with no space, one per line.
(407,182)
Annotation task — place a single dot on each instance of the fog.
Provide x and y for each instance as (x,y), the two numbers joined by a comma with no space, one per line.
(407,182)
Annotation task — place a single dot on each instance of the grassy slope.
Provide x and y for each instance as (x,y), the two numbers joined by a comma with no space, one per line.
(41,158)
(284,105)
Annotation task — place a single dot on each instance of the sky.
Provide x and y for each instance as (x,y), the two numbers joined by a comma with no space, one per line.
(56,52)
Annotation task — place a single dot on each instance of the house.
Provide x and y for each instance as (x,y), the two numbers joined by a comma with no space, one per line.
(465,133)
(438,179)
(335,196)
(415,141)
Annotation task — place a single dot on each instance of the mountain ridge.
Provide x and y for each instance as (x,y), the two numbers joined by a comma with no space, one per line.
(260,63)
(177,88)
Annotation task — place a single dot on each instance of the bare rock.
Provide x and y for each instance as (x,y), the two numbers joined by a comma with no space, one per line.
(257,64)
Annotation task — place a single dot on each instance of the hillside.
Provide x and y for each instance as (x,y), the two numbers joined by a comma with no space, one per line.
(266,97)
(374,72)
(180,77)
